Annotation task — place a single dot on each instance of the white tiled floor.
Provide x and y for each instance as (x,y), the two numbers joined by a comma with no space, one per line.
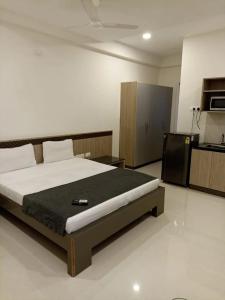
(179,254)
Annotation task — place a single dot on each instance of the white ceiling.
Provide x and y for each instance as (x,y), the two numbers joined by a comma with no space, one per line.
(169,21)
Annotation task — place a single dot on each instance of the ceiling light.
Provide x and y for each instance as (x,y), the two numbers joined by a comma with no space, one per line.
(146,36)
(136,287)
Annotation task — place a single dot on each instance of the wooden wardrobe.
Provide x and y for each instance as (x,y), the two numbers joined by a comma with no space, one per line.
(145,114)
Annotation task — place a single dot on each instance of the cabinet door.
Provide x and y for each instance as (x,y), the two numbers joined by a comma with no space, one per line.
(144,108)
(153,120)
(201,162)
(217,177)
(159,120)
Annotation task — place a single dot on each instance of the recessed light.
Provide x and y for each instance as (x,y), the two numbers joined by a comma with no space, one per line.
(136,287)
(146,36)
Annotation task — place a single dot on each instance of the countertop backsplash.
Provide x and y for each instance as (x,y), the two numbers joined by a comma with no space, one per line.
(215,127)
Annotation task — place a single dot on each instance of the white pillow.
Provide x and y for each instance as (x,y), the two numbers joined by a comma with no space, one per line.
(17,158)
(55,151)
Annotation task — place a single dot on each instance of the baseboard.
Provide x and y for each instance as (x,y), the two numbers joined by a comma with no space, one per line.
(207,190)
(143,165)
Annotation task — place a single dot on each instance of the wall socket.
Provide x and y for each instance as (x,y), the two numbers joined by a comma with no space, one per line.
(195,108)
(81,155)
(84,155)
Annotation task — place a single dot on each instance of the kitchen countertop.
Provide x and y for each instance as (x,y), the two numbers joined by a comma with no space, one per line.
(211,147)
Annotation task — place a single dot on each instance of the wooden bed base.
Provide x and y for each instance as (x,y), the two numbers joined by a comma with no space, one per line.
(79,244)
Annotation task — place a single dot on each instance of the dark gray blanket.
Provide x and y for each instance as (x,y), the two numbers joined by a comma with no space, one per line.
(53,207)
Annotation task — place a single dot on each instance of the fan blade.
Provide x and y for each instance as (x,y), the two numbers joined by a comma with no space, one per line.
(119,26)
(91,10)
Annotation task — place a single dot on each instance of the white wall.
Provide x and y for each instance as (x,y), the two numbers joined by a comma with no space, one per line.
(203,56)
(169,75)
(49,86)
(171,61)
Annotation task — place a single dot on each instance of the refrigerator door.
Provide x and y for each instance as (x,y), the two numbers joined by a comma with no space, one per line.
(176,159)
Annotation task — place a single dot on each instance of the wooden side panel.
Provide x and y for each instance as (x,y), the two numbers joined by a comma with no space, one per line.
(203,104)
(217,177)
(128,122)
(99,146)
(38,152)
(200,167)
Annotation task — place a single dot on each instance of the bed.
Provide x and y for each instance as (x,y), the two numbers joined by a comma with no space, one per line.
(89,227)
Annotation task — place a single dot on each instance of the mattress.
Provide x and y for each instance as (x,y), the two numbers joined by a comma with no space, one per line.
(15,185)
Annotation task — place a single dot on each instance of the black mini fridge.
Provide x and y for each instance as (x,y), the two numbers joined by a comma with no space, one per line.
(177,157)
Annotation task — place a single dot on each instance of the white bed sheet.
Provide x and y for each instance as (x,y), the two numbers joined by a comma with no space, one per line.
(15,185)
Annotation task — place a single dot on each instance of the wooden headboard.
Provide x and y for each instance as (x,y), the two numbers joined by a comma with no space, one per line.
(97,143)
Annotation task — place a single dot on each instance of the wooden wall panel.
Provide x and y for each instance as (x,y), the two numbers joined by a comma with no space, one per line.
(38,152)
(99,146)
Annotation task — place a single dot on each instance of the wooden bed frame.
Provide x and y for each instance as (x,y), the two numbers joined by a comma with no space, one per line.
(80,243)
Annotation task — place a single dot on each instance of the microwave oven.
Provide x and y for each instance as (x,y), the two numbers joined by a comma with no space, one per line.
(217,103)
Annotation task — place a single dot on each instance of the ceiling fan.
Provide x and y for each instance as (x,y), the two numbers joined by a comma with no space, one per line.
(91,7)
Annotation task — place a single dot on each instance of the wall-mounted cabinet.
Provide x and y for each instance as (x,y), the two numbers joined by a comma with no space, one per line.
(212,87)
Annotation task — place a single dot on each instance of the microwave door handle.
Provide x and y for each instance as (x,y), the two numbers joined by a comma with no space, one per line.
(211,108)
